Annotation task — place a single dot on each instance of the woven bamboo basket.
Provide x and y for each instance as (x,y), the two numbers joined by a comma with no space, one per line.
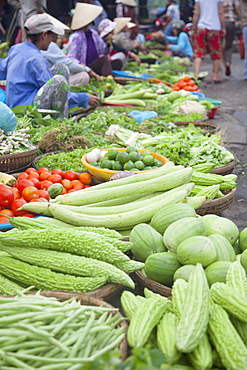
(207,127)
(88,301)
(227,169)
(16,161)
(153,285)
(216,206)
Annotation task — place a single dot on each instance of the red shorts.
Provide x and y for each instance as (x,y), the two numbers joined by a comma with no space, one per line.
(207,41)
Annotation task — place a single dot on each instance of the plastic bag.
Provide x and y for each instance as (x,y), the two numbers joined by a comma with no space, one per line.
(140,116)
(8,120)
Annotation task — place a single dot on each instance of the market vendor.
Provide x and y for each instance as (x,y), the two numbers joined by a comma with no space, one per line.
(122,35)
(115,51)
(87,46)
(79,74)
(30,81)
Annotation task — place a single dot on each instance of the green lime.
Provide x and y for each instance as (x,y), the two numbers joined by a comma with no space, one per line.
(117,166)
(95,164)
(106,163)
(134,169)
(140,157)
(131,149)
(157,163)
(122,157)
(148,160)
(153,167)
(134,156)
(146,153)
(139,165)
(112,153)
(148,168)
(128,165)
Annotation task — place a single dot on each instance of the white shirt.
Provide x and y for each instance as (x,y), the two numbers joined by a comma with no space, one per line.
(209,14)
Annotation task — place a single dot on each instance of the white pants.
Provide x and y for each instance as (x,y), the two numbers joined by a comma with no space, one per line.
(79,79)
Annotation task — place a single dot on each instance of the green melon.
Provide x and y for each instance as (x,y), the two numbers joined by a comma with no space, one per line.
(224,249)
(181,230)
(184,272)
(243,239)
(220,225)
(161,267)
(217,271)
(55,189)
(167,215)
(197,249)
(146,240)
(238,257)
(236,247)
(243,259)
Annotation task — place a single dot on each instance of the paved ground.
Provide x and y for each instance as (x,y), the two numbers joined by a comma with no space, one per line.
(232,118)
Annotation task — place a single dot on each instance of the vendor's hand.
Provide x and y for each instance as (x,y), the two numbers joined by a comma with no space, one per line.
(95,75)
(93,101)
(136,58)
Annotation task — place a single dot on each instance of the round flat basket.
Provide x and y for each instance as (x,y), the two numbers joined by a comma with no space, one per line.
(153,285)
(87,301)
(16,161)
(216,206)
(227,169)
(206,127)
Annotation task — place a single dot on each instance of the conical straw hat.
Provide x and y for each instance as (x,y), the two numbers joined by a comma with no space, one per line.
(131,25)
(121,23)
(84,15)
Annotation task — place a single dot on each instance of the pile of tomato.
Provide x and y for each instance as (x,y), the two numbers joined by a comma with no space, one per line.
(187,84)
(32,186)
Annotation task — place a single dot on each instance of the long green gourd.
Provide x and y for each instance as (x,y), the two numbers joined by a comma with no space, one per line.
(43,278)
(84,244)
(179,292)
(236,277)
(166,337)
(130,303)
(229,345)
(8,287)
(68,263)
(145,318)
(201,358)
(121,221)
(194,317)
(87,210)
(230,299)
(129,266)
(241,328)
(97,194)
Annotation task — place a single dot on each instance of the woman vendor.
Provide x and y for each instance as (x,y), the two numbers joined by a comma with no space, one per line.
(87,46)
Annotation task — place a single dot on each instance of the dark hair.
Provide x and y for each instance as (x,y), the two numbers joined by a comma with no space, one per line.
(34,37)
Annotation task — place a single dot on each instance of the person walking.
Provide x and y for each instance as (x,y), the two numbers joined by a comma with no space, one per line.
(243,7)
(172,15)
(207,34)
(231,10)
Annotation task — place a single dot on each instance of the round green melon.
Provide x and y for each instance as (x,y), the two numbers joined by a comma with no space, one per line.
(181,230)
(243,239)
(236,247)
(146,240)
(224,249)
(220,225)
(169,214)
(184,272)
(217,271)
(197,249)
(161,267)
(243,259)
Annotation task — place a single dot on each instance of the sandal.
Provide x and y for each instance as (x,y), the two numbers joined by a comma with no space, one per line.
(228,70)
(217,80)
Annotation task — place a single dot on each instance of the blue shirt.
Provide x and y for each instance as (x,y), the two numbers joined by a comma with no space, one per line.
(181,42)
(25,70)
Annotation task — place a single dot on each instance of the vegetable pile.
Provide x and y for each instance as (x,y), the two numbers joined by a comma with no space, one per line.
(48,334)
(15,141)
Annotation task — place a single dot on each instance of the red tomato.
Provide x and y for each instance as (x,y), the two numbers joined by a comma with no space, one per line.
(30,215)
(33,175)
(22,184)
(44,185)
(6,196)
(44,176)
(16,193)
(77,185)
(66,184)
(42,169)
(3,220)
(17,204)
(57,171)
(22,176)
(85,178)
(87,186)
(55,178)
(44,194)
(64,191)
(30,169)
(7,212)
(36,183)
(71,190)
(40,200)
(71,175)
(29,193)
